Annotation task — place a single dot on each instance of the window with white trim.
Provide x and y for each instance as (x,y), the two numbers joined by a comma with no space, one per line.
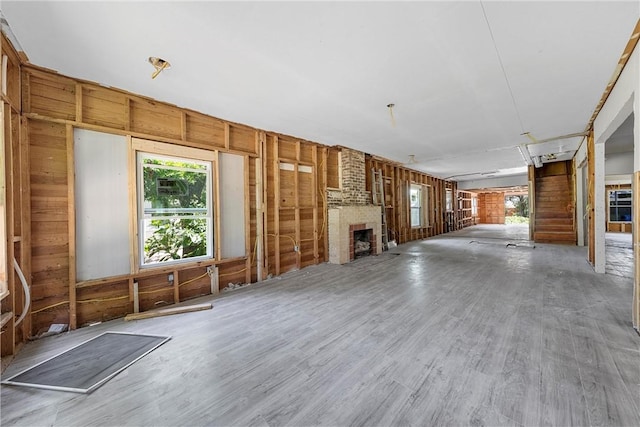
(620,206)
(175,209)
(415,201)
(448,206)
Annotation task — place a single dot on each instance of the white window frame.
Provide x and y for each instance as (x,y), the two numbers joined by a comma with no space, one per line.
(425,205)
(420,208)
(474,206)
(617,205)
(172,213)
(448,201)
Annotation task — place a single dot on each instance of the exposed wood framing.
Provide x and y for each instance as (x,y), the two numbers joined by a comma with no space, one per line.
(591,196)
(276,210)
(285,221)
(397,180)
(71,212)
(248,248)
(636,252)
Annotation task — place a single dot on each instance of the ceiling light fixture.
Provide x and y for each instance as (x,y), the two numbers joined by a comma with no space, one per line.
(159,64)
(393,119)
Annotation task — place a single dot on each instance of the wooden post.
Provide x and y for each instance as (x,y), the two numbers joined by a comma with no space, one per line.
(591,195)
(636,249)
(127,113)
(296,189)
(227,136)
(72,227)
(25,189)
(259,217)
(133,209)
(78,103)
(216,203)
(532,201)
(26,92)
(7,346)
(314,196)
(248,248)
(136,298)
(176,287)
(265,199)
(276,208)
(183,126)
(325,206)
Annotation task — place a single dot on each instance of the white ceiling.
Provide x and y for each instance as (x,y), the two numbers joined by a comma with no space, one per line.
(325,71)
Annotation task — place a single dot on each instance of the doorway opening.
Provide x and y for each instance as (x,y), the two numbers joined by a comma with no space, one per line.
(516,208)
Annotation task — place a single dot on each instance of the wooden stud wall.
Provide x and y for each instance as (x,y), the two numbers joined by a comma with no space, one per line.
(17,211)
(591,196)
(463,202)
(293,209)
(491,208)
(636,252)
(397,179)
(287,224)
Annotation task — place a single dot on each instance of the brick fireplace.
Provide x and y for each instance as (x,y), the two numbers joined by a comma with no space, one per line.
(343,221)
(350,210)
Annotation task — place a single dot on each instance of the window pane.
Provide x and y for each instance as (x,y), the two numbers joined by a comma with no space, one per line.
(415,217)
(613,214)
(416,197)
(174,190)
(174,239)
(176,214)
(624,214)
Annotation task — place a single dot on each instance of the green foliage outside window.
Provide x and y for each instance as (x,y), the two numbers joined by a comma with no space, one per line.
(176,211)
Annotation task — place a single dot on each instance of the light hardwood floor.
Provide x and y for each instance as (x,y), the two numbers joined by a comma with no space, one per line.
(455,330)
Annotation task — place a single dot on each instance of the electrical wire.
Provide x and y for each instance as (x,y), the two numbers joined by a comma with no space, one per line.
(84,301)
(504,72)
(49,306)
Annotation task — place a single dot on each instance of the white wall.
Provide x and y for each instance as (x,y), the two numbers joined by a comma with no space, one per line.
(618,164)
(232,206)
(623,100)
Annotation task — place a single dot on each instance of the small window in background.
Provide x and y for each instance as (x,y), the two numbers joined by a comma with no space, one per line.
(474,206)
(415,201)
(620,206)
(449,200)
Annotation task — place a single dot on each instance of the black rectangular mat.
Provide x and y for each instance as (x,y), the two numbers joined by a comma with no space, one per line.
(88,365)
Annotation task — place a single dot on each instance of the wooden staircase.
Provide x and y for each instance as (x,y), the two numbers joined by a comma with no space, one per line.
(554,205)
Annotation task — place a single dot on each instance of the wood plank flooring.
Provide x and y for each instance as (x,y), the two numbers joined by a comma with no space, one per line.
(439,332)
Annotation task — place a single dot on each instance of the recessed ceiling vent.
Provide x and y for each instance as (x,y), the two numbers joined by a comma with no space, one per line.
(159,64)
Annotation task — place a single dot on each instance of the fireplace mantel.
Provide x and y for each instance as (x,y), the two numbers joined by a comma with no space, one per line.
(340,233)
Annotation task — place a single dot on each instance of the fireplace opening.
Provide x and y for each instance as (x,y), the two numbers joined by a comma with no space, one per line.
(362,243)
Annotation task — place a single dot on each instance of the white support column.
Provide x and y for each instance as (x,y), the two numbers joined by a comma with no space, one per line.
(600,212)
